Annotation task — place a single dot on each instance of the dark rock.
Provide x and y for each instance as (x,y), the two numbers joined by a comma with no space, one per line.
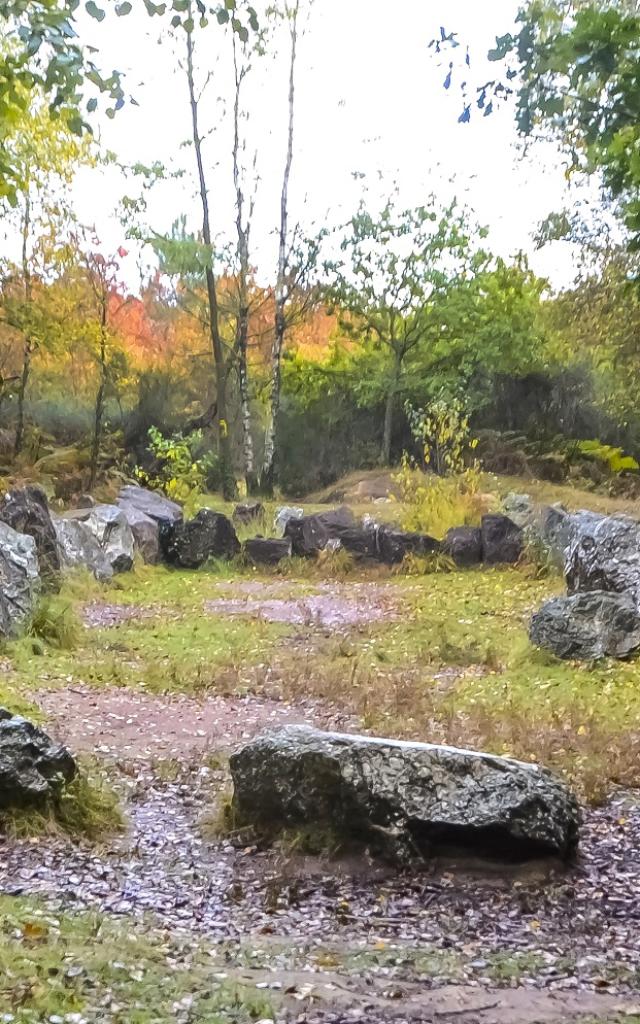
(588,626)
(502,540)
(26,510)
(245,515)
(267,551)
(604,554)
(19,580)
(464,545)
(79,547)
(109,526)
(405,801)
(358,541)
(152,503)
(32,768)
(145,530)
(208,535)
(394,546)
(310,534)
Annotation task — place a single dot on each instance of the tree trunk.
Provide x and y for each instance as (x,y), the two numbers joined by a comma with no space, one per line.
(27,349)
(99,407)
(387,433)
(280,324)
(224,443)
(242,312)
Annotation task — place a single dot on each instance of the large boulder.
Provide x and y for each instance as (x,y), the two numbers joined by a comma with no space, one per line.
(464,545)
(151,503)
(109,526)
(26,510)
(208,535)
(394,546)
(604,554)
(19,580)
(403,800)
(33,768)
(145,530)
(502,540)
(588,626)
(79,548)
(310,534)
(267,550)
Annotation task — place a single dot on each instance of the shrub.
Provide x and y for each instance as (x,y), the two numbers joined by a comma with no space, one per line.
(56,622)
(183,472)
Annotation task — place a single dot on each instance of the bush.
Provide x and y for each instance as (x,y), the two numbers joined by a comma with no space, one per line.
(56,622)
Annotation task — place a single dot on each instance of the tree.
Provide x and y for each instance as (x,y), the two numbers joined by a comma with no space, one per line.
(280,323)
(46,155)
(47,56)
(388,289)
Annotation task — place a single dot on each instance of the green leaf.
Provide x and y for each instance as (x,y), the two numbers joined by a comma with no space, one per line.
(94,11)
(92,104)
(222,16)
(123,8)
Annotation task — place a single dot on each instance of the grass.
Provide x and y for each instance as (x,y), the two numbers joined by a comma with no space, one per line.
(86,967)
(89,807)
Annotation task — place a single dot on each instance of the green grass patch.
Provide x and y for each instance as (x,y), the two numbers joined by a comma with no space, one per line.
(88,807)
(111,972)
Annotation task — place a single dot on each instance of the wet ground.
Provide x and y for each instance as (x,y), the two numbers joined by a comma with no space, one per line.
(463,942)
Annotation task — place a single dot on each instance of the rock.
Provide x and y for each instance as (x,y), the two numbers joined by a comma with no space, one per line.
(359,542)
(145,530)
(394,546)
(547,528)
(267,551)
(502,540)
(19,580)
(79,548)
(587,626)
(152,503)
(310,534)
(464,545)
(405,801)
(26,510)
(245,515)
(604,554)
(283,515)
(208,535)
(33,769)
(109,526)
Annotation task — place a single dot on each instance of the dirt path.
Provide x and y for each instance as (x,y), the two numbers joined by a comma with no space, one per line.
(129,725)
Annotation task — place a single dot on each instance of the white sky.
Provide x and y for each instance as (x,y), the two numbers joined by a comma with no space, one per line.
(369,98)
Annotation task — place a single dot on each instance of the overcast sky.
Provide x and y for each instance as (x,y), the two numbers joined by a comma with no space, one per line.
(369,99)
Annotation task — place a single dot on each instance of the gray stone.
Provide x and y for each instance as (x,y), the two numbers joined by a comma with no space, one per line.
(547,528)
(502,540)
(520,508)
(587,626)
(208,535)
(464,545)
(19,580)
(33,769)
(145,530)
(79,548)
(403,800)
(604,554)
(267,550)
(26,510)
(109,526)
(155,505)
(283,515)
